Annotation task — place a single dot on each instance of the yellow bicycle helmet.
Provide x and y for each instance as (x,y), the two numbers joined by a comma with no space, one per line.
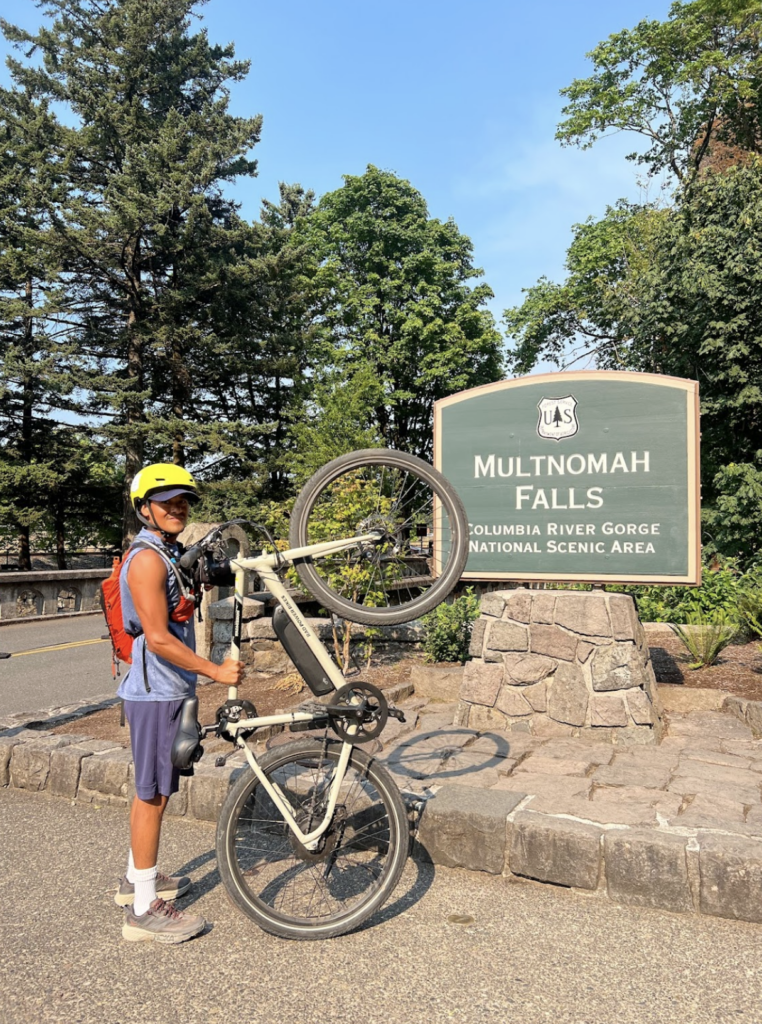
(160,482)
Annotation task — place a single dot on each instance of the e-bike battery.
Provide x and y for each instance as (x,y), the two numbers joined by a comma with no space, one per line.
(298,650)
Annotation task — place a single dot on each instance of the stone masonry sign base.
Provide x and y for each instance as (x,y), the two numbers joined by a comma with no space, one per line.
(562,663)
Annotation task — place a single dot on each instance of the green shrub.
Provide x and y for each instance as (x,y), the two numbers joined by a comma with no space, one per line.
(706,635)
(720,588)
(447,629)
(750,611)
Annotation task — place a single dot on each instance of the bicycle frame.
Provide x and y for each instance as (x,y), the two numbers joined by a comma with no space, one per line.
(267,568)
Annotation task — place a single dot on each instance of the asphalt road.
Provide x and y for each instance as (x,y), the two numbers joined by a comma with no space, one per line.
(54,662)
(531,954)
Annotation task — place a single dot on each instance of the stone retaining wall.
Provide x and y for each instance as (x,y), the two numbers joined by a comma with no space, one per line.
(45,588)
(260,647)
(561,662)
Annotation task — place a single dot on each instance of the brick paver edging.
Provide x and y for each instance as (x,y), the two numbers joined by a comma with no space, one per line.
(689,870)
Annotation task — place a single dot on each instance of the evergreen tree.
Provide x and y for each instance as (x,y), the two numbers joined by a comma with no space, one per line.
(34,351)
(146,234)
(260,347)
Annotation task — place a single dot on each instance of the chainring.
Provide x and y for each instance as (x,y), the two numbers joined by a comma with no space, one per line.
(233,711)
(373,707)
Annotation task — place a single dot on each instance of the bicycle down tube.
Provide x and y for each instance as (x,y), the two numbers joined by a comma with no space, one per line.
(264,566)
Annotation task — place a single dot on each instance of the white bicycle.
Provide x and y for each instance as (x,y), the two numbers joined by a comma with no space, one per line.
(314,834)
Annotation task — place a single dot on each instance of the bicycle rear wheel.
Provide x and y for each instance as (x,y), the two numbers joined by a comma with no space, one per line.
(423,536)
(288,890)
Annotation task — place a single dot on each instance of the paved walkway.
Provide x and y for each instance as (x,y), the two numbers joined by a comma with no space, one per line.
(449,947)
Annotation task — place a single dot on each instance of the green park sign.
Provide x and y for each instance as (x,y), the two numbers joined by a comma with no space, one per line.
(589,476)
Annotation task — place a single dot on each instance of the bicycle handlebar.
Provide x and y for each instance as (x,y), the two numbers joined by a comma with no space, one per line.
(189,558)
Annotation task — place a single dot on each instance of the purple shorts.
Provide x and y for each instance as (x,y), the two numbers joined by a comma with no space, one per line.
(153,724)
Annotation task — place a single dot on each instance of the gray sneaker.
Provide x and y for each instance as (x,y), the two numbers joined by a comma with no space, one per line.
(167,888)
(161,922)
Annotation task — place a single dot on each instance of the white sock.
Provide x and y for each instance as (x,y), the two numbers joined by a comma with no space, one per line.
(130,869)
(145,889)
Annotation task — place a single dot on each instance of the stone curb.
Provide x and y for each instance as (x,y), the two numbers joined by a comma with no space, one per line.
(709,872)
(100,772)
(701,871)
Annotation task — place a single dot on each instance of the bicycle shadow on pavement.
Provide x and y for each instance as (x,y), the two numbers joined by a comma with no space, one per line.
(444,755)
(408,892)
(203,884)
(415,889)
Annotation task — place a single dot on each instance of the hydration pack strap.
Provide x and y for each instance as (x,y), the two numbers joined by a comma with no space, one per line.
(147,545)
(184,595)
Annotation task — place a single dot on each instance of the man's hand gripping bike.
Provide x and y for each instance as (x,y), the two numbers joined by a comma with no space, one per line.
(313,835)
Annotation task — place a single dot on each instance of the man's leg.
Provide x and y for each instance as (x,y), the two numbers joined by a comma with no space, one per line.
(152,728)
(145,830)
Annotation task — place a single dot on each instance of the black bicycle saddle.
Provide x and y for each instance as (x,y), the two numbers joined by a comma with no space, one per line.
(186,746)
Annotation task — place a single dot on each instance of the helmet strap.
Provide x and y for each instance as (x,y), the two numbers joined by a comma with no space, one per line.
(151,523)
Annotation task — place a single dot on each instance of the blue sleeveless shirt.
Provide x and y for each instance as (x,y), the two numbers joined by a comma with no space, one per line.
(167,681)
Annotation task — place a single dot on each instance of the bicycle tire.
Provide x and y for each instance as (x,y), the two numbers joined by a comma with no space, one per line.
(263,869)
(402,577)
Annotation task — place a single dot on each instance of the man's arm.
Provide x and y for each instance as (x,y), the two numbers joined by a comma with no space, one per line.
(147,578)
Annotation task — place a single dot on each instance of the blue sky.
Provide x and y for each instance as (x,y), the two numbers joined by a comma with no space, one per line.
(462,100)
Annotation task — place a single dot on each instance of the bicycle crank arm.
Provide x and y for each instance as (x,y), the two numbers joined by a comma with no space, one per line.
(347,710)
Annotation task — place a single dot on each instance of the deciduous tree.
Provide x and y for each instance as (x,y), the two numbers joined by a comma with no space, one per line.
(396,304)
(681,85)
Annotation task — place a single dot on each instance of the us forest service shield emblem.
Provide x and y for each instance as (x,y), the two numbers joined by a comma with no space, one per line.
(558,418)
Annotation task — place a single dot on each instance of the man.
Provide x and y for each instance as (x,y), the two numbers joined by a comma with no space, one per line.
(162,674)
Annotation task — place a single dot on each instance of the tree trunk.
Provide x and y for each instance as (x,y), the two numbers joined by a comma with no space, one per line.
(181,396)
(134,447)
(27,413)
(60,524)
(25,554)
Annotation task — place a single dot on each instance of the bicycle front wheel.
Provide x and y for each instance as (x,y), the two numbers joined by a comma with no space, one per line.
(296,893)
(422,533)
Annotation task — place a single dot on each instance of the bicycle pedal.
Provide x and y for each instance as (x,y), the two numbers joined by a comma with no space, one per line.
(396,713)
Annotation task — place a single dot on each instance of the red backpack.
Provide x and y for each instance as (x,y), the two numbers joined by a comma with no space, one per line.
(111,602)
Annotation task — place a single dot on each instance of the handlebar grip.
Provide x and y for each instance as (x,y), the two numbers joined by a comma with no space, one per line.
(189,558)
